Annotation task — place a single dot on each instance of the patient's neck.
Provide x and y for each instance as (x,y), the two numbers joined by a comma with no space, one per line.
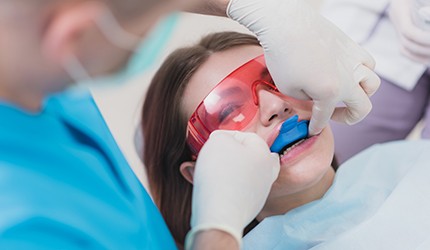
(286,203)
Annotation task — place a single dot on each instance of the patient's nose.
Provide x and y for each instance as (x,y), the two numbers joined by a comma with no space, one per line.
(272,107)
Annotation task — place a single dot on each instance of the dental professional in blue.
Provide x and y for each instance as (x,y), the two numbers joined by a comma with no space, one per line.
(64,183)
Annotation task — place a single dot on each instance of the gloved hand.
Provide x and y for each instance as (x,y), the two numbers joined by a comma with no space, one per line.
(232,179)
(415,41)
(309,58)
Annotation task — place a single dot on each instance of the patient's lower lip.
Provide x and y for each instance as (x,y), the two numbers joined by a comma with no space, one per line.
(300,149)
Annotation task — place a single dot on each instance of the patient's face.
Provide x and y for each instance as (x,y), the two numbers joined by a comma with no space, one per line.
(301,167)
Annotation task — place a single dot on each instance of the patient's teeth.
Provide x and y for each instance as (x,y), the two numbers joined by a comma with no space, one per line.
(291,147)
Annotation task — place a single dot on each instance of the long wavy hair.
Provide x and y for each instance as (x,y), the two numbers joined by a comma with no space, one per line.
(164,127)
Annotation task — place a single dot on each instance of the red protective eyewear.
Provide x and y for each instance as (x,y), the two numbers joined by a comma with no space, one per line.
(231,105)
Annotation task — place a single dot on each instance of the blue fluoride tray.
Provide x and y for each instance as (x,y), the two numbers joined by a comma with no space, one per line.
(291,131)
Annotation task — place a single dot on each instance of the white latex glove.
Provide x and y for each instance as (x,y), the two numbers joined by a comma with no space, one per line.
(232,179)
(415,41)
(310,58)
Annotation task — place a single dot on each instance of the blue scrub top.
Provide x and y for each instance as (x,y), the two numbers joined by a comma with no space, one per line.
(64,183)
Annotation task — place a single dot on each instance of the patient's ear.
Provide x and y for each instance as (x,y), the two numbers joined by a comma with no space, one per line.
(187,170)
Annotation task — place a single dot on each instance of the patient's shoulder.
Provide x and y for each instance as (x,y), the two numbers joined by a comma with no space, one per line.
(407,147)
(388,156)
(385,164)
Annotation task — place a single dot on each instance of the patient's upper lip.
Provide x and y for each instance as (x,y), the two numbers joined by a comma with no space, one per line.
(272,137)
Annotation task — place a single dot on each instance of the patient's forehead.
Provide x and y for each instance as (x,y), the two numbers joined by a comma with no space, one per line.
(215,69)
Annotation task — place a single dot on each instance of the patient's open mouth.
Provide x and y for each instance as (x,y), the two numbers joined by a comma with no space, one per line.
(290,147)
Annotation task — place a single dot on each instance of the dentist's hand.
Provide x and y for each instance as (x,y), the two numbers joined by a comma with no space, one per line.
(310,58)
(415,41)
(232,179)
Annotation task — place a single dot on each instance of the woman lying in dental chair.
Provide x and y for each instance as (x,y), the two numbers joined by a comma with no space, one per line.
(378,200)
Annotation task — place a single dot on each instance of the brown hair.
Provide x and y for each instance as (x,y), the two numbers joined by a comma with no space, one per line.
(164,128)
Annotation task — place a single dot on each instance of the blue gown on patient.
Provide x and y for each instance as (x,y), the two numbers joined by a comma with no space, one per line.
(380,199)
(64,183)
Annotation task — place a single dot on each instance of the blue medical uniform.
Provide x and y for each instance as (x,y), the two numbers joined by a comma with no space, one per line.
(64,183)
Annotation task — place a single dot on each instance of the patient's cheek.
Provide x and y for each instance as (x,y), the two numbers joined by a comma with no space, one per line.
(252,127)
(306,106)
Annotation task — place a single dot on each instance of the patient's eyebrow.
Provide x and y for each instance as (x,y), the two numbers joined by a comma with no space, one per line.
(230,91)
(264,75)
